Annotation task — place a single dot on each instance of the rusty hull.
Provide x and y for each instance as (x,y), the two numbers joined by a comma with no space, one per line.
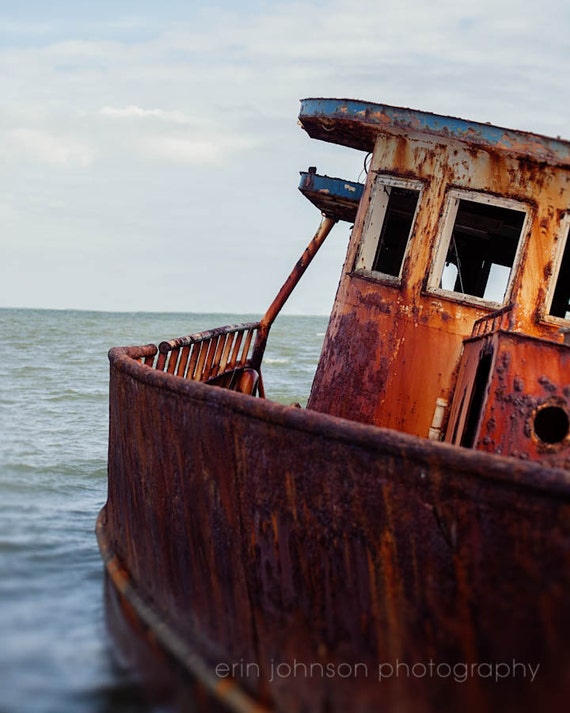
(263,534)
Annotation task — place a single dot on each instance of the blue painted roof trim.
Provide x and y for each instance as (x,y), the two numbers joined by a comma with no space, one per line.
(343,120)
(334,197)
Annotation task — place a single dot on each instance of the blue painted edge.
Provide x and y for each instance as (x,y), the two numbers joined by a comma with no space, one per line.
(334,197)
(386,119)
(335,187)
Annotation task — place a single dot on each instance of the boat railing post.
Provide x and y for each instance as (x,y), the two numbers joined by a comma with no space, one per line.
(326,225)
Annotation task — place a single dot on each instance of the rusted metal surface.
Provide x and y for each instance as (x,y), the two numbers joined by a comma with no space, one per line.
(394,345)
(269,535)
(170,667)
(357,124)
(501,319)
(208,355)
(525,377)
(517,376)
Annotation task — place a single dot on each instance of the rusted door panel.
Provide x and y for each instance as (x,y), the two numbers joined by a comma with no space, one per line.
(528,376)
(470,360)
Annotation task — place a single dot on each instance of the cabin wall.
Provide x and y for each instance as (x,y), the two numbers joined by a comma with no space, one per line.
(392,350)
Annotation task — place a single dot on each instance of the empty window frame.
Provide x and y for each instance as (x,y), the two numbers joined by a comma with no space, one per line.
(479,246)
(560,285)
(393,207)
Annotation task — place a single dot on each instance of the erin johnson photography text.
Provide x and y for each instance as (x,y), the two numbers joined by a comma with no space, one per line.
(460,672)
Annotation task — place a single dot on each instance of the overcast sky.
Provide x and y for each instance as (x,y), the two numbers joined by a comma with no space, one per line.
(149,151)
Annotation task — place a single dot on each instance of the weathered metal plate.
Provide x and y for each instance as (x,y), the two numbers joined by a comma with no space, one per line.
(269,535)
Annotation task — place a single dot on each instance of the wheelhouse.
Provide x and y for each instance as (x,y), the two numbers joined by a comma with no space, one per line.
(453,300)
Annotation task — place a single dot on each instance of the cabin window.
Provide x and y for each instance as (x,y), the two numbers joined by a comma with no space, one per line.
(479,247)
(393,207)
(560,305)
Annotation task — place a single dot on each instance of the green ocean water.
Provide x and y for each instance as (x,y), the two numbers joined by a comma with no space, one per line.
(55,653)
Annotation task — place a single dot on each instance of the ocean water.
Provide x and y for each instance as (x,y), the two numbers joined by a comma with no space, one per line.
(55,653)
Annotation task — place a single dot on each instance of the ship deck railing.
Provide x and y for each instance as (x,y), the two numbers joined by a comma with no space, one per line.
(220,356)
(501,319)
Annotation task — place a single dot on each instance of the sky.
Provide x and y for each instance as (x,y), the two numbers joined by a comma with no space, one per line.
(150,151)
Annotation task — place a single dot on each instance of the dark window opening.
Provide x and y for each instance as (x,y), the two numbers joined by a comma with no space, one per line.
(482,250)
(561,301)
(477,400)
(396,229)
(551,424)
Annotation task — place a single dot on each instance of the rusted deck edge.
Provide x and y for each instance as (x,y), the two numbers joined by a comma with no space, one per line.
(517,474)
(226,690)
(356,124)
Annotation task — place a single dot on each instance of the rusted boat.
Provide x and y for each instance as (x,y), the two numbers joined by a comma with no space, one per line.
(401,544)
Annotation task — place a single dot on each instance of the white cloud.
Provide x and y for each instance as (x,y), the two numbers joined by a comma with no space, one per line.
(202,144)
(136,112)
(44,147)
(194,151)
(156,103)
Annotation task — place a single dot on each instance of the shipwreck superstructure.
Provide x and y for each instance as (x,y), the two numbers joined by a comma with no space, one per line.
(417,512)
(456,283)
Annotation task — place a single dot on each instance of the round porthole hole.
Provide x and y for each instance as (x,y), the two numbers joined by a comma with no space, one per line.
(551,424)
